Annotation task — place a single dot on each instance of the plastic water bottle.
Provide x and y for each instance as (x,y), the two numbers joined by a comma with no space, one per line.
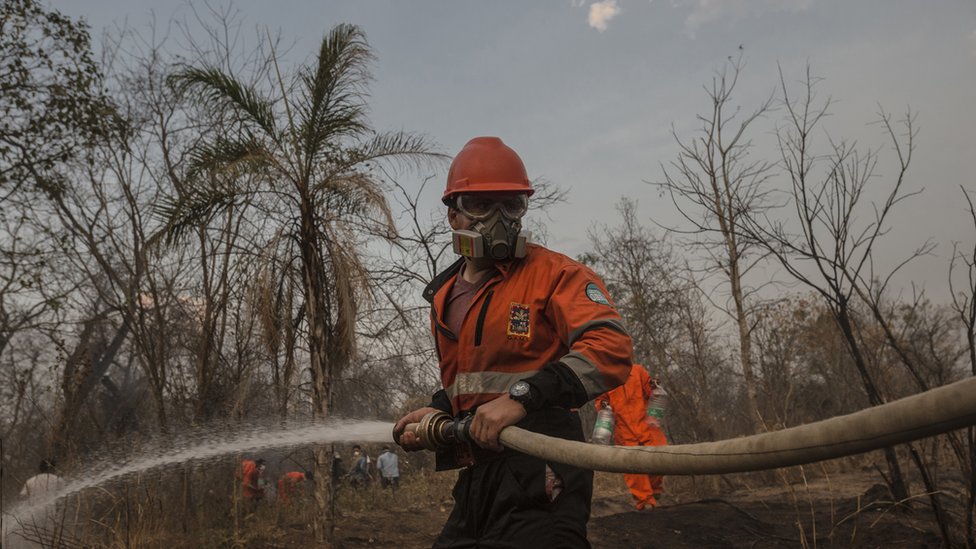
(603,428)
(657,404)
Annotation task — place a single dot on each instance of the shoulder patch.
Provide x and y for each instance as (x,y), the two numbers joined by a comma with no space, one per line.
(596,295)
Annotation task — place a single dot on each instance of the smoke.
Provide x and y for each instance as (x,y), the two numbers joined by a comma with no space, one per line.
(602,12)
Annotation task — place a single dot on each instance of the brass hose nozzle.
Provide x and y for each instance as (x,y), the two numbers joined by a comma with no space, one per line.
(439,431)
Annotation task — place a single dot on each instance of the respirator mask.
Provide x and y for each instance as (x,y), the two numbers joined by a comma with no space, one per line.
(495,233)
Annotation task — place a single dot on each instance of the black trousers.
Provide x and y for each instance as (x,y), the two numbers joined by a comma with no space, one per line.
(502,502)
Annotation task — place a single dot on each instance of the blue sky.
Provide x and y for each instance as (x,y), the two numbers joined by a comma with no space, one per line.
(587,92)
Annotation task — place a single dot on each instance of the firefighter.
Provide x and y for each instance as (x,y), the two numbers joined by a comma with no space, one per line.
(634,427)
(290,485)
(252,479)
(524,336)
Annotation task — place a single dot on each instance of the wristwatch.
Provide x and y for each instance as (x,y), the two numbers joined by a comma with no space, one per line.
(521,392)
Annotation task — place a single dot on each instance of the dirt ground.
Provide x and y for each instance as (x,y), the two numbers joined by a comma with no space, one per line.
(846,511)
(838,504)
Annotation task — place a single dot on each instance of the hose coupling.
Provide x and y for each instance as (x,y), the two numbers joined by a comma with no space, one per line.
(439,431)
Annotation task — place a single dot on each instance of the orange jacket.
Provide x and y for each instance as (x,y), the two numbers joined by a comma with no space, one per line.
(535,311)
(629,403)
(250,476)
(288,485)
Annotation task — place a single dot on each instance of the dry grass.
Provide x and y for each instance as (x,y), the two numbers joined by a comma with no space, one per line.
(166,511)
(201,508)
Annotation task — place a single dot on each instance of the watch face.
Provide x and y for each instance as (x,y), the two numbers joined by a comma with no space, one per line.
(519,390)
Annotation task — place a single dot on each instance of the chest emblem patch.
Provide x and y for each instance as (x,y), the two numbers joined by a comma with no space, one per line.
(593,292)
(518,321)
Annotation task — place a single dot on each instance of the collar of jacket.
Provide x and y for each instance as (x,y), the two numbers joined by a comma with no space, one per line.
(441,279)
(444,276)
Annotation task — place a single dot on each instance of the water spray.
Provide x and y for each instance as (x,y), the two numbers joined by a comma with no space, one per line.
(174,451)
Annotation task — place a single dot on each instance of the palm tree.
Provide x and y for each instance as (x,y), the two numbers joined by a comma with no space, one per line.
(305,156)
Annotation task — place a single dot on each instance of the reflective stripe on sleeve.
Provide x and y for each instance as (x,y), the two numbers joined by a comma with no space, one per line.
(473,383)
(587,372)
(611,323)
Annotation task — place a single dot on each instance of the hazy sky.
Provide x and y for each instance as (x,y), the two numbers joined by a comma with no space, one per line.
(587,92)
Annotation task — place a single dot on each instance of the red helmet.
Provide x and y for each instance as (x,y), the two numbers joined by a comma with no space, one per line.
(485,164)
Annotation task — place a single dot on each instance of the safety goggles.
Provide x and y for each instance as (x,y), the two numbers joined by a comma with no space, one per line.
(481,206)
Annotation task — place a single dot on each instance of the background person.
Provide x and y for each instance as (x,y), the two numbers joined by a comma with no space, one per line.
(44,484)
(290,484)
(43,524)
(634,427)
(359,476)
(338,471)
(252,479)
(388,465)
(524,336)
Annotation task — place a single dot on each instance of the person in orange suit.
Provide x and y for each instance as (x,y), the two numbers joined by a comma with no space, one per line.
(252,479)
(633,427)
(289,485)
(524,336)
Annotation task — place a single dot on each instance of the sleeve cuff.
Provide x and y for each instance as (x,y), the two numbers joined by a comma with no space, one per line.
(441,401)
(556,385)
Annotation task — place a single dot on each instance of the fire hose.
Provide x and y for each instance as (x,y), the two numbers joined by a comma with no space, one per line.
(933,412)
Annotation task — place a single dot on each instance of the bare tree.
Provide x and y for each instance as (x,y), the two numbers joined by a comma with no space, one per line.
(715,184)
(84,368)
(779,344)
(172,300)
(964,304)
(645,279)
(701,378)
(826,247)
(25,300)
(964,298)
(51,108)
(668,322)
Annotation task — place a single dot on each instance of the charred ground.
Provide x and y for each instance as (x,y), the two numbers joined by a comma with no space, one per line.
(849,509)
